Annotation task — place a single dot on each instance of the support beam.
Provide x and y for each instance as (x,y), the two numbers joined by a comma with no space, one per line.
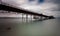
(31,17)
(22,17)
(26,17)
(41,18)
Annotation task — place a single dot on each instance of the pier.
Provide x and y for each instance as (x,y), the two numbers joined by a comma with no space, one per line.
(26,12)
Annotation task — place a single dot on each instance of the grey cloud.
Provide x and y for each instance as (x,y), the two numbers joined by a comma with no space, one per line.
(53,1)
(56,1)
(11,2)
(55,9)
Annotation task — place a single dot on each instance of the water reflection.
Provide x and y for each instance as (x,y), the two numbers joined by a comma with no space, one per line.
(14,27)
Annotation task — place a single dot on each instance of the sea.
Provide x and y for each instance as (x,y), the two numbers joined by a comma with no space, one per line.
(17,27)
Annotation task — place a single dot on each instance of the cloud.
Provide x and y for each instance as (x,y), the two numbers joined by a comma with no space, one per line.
(56,1)
(45,8)
(48,7)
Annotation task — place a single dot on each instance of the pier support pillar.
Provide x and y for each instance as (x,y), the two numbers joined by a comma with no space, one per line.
(41,18)
(31,17)
(22,17)
(26,17)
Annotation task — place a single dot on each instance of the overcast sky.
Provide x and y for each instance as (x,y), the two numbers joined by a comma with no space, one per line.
(47,7)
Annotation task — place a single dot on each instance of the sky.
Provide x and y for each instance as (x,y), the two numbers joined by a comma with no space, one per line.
(47,7)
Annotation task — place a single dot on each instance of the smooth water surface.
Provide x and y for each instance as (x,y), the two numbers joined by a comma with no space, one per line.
(14,27)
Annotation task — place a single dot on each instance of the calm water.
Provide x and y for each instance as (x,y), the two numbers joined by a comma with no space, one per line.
(14,27)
